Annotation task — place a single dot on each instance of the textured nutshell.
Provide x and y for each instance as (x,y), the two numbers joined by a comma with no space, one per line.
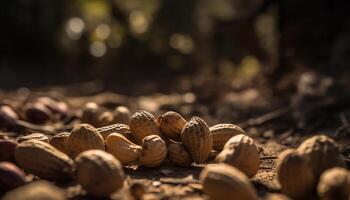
(321,153)
(84,137)
(11,176)
(224,182)
(221,133)
(59,141)
(123,149)
(241,152)
(122,115)
(178,155)
(8,117)
(154,151)
(116,128)
(294,175)
(105,118)
(43,160)
(37,113)
(197,139)
(171,123)
(99,172)
(90,113)
(38,190)
(33,136)
(334,184)
(7,149)
(142,124)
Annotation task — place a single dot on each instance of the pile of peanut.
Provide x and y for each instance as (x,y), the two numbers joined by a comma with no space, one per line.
(94,152)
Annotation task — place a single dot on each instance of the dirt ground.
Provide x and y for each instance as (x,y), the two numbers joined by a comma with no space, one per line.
(267,119)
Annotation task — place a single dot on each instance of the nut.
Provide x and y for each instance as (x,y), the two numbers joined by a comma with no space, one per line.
(122,115)
(154,151)
(171,124)
(106,118)
(123,149)
(321,153)
(37,113)
(294,175)
(334,184)
(59,141)
(142,124)
(55,106)
(241,152)
(36,190)
(82,138)
(33,136)
(90,113)
(178,155)
(7,150)
(122,129)
(43,160)
(8,117)
(197,139)
(11,176)
(222,181)
(221,133)
(99,172)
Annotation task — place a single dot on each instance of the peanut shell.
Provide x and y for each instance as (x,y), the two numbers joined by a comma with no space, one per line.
(116,128)
(224,182)
(178,155)
(171,123)
(154,151)
(84,137)
(197,139)
(142,124)
(321,153)
(221,133)
(7,149)
(59,141)
(99,172)
(11,176)
(123,149)
(122,115)
(241,152)
(294,175)
(334,184)
(43,160)
(38,190)
(33,136)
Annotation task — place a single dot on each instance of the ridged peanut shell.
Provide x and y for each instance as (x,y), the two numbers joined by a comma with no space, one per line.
(59,141)
(116,128)
(197,139)
(84,137)
(123,149)
(321,153)
(334,184)
(224,182)
(99,172)
(122,115)
(142,124)
(154,151)
(294,175)
(43,160)
(11,176)
(38,190)
(171,123)
(241,152)
(221,133)
(33,136)
(178,155)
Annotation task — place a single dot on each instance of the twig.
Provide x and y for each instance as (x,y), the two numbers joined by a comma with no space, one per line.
(268,157)
(266,117)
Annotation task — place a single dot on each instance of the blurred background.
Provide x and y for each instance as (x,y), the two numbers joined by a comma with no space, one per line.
(142,46)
